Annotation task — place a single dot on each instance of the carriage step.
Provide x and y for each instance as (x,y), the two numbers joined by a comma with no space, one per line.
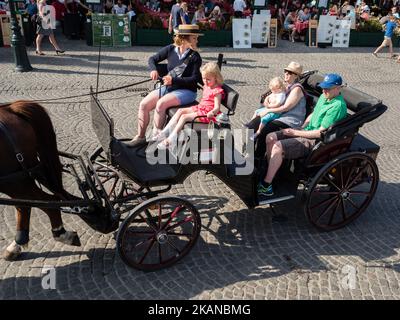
(273,199)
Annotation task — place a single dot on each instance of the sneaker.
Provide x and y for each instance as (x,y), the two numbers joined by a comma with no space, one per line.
(265,191)
(374,54)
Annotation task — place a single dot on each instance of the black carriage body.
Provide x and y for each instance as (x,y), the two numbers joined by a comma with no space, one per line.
(134,164)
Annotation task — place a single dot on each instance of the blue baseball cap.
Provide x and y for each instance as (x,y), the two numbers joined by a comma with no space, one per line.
(331,80)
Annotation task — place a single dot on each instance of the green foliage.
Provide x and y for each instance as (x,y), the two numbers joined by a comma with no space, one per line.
(144,21)
(156,23)
(371,25)
(147,21)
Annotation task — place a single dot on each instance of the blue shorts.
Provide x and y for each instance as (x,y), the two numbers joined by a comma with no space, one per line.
(270,116)
(185,96)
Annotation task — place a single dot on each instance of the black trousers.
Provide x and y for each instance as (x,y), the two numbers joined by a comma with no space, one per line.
(272,126)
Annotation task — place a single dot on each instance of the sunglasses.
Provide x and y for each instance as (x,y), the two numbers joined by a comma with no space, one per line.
(289,72)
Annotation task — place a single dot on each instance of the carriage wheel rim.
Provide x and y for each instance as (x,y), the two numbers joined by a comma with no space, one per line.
(340,196)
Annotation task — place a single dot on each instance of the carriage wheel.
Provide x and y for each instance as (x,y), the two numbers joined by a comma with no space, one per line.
(158,233)
(341,191)
(114,185)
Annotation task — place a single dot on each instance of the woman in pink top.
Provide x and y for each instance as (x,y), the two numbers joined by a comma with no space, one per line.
(208,108)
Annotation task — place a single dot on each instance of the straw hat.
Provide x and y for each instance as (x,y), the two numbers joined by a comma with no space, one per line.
(188,30)
(295,67)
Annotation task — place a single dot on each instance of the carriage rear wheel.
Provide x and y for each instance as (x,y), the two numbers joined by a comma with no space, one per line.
(158,233)
(341,191)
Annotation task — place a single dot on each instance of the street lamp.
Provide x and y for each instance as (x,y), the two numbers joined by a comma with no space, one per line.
(17,42)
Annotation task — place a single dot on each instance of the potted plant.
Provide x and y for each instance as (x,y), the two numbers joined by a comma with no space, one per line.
(369,33)
(150,31)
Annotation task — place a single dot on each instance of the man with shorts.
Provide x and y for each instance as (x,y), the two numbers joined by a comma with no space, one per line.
(387,41)
(293,144)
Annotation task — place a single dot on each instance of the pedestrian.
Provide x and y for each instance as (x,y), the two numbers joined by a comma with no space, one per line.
(176,17)
(238,7)
(390,26)
(45,27)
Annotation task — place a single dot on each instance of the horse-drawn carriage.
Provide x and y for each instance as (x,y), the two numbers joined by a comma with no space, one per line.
(119,187)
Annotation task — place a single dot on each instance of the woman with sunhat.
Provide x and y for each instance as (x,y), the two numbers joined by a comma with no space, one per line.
(293,111)
(177,89)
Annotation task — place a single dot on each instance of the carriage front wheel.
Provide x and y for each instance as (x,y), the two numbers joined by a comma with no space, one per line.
(158,233)
(341,191)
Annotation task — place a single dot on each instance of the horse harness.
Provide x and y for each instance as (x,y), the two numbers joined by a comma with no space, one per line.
(25,172)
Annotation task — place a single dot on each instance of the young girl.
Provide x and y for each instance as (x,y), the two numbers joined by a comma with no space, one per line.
(208,107)
(274,100)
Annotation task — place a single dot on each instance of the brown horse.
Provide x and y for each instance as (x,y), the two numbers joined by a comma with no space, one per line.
(26,129)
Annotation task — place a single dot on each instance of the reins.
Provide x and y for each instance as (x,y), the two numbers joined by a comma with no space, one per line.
(86,94)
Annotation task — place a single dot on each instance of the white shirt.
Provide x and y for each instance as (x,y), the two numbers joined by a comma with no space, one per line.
(239,5)
(119,9)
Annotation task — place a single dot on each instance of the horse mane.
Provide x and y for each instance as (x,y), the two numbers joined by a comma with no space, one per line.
(40,121)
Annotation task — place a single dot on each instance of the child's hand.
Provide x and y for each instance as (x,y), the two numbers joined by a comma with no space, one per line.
(210,115)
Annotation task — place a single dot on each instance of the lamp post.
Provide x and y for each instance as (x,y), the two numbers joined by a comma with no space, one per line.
(22,63)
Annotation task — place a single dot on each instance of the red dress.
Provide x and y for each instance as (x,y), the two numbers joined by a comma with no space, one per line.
(207,102)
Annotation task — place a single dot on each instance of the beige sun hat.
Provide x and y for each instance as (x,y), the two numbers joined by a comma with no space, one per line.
(295,67)
(188,30)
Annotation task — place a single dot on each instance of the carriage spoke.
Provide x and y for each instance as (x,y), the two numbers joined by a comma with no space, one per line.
(355,180)
(323,202)
(331,183)
(349,176)
(342,209)
(352,203)
(146,221)
(187,219)
(159,216)
(147,251)
(160,252)
(341,175)
(144,241)
(173,246)
(368,194)
(150,220)
(327,208)
(171,216)
(333,213)
(176,234)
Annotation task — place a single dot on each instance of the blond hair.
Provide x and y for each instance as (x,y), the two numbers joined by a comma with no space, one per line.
(211,68)
(276,82)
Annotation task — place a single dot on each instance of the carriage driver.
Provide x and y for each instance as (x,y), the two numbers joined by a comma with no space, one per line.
(291,143)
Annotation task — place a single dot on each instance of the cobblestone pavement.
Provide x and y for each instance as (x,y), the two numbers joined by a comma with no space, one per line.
(241,254)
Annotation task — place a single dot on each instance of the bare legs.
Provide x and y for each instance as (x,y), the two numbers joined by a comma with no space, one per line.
(39,39)
(385,43)
(161,105)
(52,40)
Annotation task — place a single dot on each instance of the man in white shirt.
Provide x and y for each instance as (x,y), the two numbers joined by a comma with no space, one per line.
(238,7)
(120,8)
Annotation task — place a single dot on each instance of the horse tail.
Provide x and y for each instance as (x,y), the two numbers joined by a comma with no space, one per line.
(41,123)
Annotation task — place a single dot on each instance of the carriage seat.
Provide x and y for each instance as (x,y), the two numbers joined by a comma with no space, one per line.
(131,161)
(340,137)
(229,102)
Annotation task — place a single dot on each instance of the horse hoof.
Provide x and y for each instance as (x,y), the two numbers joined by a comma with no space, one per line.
(69,237)
(12,252)
(11,256)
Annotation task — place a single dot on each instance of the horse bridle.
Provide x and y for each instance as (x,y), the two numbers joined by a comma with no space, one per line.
(18,155)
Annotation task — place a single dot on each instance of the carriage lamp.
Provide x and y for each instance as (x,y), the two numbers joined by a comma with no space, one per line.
(22,63)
